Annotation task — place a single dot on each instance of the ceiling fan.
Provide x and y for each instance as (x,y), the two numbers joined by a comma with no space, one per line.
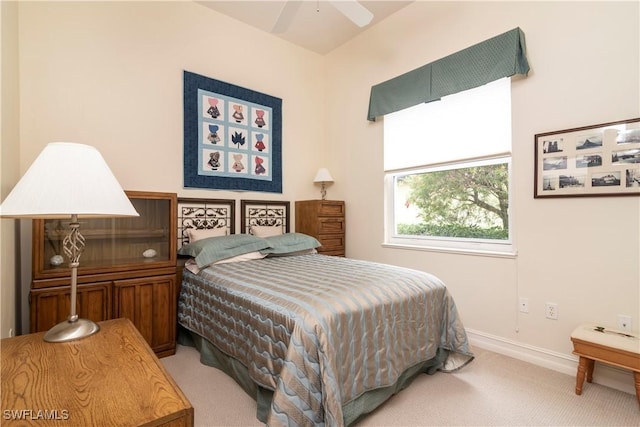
(352,9)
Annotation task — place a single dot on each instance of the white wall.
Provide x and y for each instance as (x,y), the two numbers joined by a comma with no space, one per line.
(581,253)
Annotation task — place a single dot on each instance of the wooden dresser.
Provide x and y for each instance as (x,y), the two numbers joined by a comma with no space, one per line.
(111,378)
(324,220)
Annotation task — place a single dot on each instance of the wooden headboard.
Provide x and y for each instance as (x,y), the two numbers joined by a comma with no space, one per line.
(264,213)
(204,214)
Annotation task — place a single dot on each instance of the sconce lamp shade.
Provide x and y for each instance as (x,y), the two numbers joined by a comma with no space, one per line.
(323,175)
(65,179)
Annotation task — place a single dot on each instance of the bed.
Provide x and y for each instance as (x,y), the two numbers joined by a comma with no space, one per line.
(315,339)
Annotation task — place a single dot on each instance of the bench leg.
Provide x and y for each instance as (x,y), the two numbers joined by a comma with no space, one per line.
(590,364)
(636,379)
(584,368)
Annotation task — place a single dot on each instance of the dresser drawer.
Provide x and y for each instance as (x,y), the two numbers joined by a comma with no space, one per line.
(330,226)
(330,208)
(331,242)
(332,252)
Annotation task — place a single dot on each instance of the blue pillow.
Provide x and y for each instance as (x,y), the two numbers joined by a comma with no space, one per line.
(289,243)
(212,249)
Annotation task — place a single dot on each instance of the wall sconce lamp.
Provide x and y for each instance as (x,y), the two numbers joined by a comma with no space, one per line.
(68,180)
(323,177)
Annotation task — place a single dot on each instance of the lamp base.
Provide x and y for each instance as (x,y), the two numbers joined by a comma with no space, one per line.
(68,330)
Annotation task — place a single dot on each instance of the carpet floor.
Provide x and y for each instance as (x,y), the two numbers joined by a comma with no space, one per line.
(494,390)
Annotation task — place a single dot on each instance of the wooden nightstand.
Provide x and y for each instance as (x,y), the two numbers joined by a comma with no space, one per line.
(112,378)
(324,220)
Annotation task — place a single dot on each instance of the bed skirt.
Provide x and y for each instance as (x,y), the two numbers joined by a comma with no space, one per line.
(210,355)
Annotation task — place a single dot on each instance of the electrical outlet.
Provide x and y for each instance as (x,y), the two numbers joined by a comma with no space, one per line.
(624,323)
(523,305)
(551,310)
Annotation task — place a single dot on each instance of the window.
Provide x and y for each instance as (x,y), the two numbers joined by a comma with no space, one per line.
(447,172)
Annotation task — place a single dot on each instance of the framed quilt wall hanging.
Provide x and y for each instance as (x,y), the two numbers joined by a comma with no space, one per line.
(232,137)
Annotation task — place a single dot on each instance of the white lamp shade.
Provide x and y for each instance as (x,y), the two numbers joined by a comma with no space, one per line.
(323,175)
(67,179)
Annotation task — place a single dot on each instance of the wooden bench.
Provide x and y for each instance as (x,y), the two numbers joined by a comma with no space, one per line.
(596,343)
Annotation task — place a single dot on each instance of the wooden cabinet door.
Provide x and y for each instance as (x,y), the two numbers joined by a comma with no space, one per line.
(150,304)
(50,306)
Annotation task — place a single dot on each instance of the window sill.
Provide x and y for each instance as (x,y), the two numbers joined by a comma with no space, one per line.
(456,251)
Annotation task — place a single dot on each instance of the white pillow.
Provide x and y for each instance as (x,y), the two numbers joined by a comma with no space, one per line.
(192,265)
(195,235)
(295,253)
(242,257)
(266,230)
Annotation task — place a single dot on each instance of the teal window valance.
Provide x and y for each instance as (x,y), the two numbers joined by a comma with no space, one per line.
(487,61)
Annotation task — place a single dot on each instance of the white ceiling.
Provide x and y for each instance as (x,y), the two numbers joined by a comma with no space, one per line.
(317,26)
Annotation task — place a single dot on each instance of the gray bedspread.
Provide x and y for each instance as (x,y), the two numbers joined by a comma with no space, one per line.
(320,331)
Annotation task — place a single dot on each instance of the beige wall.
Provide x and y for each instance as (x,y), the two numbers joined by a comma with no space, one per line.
(110,75)
(581,253)
(9,168)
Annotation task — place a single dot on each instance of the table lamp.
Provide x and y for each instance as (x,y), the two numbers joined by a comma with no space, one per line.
(68,180)
(323,177)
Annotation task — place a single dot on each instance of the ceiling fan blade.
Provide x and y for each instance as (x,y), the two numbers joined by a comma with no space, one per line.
(360,15)
(286,16)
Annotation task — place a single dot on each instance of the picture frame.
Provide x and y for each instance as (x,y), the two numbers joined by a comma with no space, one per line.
(597,160)
(232,137)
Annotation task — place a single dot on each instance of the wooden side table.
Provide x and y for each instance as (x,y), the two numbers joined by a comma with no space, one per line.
(324,220)
(593,343)
(111,378)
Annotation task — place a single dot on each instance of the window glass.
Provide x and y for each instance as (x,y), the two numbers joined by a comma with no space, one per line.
(447,172)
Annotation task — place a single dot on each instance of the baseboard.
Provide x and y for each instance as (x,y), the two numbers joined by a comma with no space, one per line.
(605,375)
